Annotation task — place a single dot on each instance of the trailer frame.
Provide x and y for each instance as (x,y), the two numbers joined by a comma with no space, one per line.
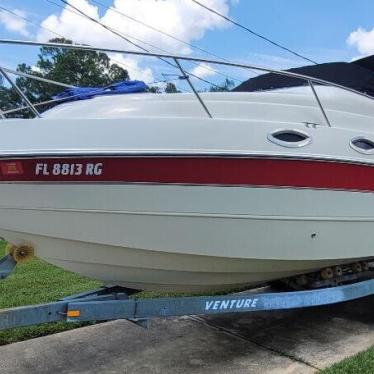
(115,302)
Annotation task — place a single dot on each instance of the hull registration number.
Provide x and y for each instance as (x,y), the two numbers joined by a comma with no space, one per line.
(75,169)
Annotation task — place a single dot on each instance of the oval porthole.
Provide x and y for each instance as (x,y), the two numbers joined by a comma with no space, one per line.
(289,138)
(362,145)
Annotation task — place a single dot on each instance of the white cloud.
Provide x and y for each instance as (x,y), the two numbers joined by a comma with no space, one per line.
(363,40)
(131,64)
(203,70)
(14,23)
(183,19)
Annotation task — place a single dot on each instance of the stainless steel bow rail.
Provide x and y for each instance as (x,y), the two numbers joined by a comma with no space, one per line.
(177,60)
(114,302)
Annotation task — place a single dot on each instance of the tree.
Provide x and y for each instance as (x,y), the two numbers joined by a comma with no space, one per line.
(74,67)
(7,96)
(227,85)
(171,88)
(153,89)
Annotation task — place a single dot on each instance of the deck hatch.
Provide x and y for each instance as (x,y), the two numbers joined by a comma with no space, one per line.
(289,138)
(362,145)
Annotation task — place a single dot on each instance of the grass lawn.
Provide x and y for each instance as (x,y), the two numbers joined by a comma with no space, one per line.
(37,282)
(362,363)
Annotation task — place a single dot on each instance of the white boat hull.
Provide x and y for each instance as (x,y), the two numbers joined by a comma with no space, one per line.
(185,238)
(163,271)
(182,201)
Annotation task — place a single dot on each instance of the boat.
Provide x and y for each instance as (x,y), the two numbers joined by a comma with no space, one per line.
(194,192)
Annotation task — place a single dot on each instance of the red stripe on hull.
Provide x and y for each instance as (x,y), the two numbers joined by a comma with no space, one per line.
(193,170)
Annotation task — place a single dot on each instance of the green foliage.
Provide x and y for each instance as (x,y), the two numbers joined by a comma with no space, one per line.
(153,89)
(227,85)
(83,68)
(7,96)
(171,88)
(362,363)
(74,67)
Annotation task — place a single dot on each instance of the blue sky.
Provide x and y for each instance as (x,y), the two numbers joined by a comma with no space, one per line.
(318,29)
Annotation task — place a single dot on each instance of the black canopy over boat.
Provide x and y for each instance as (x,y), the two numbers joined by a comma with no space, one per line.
(358,75)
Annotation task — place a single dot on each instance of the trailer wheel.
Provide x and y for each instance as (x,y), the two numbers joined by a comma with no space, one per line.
(338,271)
(326,273)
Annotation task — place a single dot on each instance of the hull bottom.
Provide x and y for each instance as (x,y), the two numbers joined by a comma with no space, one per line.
(163,271)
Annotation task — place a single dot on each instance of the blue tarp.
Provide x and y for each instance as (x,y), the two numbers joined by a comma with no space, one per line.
(83,93)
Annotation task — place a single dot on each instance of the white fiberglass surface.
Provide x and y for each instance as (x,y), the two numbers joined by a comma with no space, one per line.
(233,105)
(168,136)
(181,223)
(183,199)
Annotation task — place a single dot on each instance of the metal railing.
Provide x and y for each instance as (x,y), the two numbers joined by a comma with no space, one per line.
(311,81)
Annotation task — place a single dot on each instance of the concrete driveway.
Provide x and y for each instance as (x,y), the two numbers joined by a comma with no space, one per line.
(294,341)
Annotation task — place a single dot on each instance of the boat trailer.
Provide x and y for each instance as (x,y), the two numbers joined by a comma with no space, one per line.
(115,302)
